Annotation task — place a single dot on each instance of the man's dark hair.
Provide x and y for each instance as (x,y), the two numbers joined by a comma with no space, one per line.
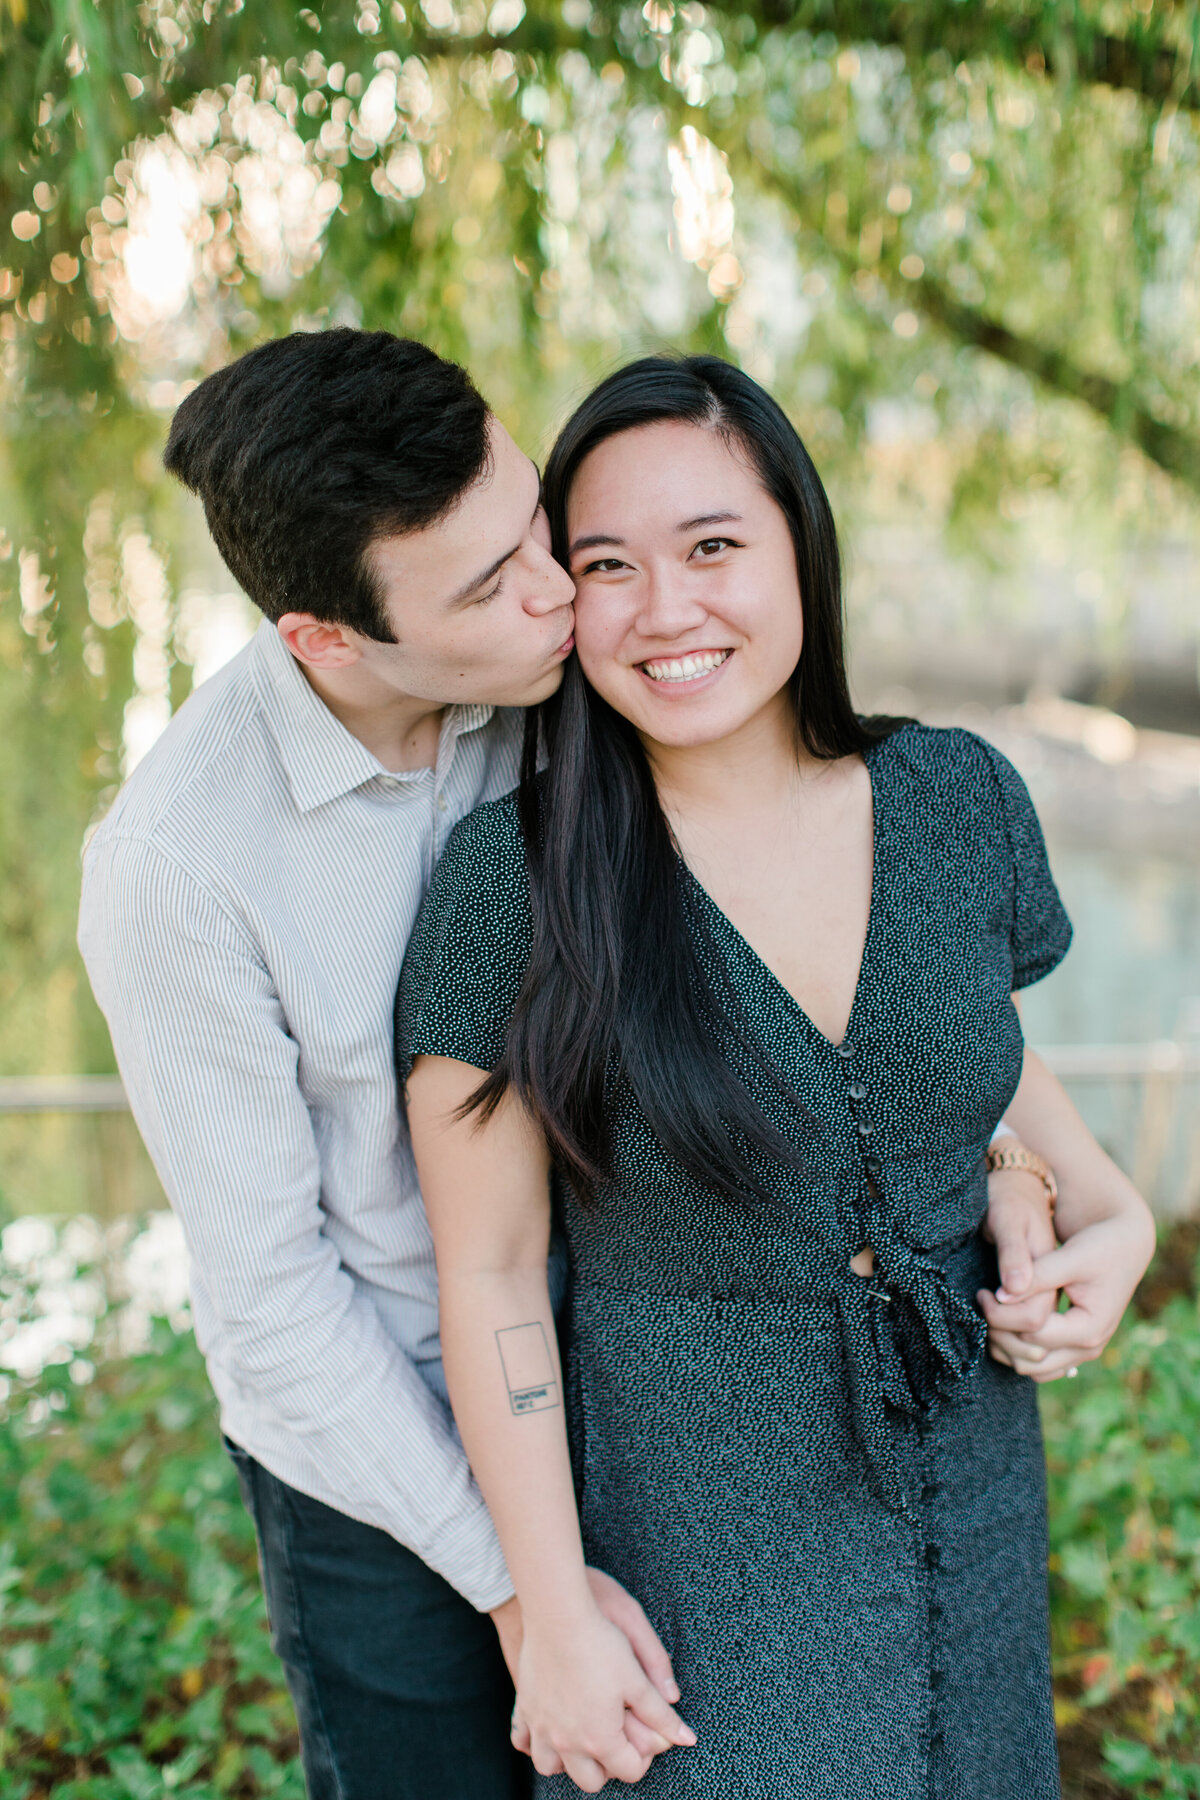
(308,448)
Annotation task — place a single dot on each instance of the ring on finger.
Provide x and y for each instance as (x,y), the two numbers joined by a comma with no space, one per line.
(1072,1373)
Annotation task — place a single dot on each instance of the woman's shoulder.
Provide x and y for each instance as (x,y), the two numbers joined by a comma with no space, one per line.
(484,854)
(488,844)
(939,750)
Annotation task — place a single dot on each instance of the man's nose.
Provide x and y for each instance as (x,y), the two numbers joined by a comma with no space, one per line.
(550,588)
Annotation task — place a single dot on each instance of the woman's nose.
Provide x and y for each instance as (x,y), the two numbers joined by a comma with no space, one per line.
(669,605)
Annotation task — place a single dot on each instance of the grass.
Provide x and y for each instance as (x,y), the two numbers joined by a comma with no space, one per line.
(134,1661)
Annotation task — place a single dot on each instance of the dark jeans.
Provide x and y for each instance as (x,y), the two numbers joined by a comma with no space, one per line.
(399,1685)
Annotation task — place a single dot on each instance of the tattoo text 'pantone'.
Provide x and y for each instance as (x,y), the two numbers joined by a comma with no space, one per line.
(528,1369)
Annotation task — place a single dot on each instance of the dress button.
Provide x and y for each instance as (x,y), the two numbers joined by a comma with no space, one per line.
(858,1090)
(931,1490)
(864,1128)
(874,1167)
(936,1680)
(937,1740)
(935,1612)
(845,1048)
(933,1556)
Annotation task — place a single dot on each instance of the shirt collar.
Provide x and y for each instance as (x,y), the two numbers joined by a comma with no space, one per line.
(321,759)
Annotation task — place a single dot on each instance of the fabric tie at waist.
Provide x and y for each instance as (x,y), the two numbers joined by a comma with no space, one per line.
(909,1340)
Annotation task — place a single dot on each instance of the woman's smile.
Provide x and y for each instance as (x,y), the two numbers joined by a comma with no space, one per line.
(684,674)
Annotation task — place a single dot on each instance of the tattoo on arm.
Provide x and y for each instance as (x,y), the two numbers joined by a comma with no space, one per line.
(528,1369)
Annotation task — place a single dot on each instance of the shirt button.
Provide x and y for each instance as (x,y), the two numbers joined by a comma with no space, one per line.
(441,802)
(858,1090)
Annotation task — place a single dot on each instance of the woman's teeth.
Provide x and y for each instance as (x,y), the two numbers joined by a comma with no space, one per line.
(686,668)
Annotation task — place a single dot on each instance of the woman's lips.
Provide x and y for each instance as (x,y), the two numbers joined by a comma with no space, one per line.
(683,674)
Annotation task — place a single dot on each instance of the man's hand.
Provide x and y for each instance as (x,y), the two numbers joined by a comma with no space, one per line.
(622,1610)
(589,1703)
(1020,1225)
(1098,1269)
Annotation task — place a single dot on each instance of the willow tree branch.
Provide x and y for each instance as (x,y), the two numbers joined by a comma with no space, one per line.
(1116,402)
(1045,36)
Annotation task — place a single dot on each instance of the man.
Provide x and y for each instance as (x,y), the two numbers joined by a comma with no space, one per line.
(245,911)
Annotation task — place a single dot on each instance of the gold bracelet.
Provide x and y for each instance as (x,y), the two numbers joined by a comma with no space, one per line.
(1016,1156)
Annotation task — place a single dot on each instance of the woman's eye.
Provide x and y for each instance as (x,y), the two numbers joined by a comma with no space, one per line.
(603,566)
(712,546)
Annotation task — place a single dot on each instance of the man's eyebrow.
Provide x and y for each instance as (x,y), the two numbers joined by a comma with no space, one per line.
(481,580)
(484,576)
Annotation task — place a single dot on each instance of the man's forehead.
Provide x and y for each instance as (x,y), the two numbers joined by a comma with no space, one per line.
(492,516)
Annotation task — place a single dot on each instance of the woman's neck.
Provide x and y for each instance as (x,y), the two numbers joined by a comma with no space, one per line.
(758,765)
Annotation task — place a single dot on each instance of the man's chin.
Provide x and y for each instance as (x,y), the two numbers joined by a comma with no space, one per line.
(541,689)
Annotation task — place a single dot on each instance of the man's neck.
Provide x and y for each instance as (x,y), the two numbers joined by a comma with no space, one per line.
(400,731)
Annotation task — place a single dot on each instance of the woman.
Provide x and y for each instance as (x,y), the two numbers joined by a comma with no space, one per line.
(730,990)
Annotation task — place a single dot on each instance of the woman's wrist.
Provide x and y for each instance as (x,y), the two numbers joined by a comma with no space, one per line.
(548,1611)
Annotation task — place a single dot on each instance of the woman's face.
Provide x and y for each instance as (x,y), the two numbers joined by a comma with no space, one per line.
(687,613)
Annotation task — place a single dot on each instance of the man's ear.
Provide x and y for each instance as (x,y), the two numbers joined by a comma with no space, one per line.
(317,643)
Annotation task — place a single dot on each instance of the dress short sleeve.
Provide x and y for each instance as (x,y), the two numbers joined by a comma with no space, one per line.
(468,952)
(1041,930)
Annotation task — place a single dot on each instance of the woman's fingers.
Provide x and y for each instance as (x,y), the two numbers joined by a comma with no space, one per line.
(648,1705)
(586,1773)
(1015,1315)
(645,1742)
(520,1733)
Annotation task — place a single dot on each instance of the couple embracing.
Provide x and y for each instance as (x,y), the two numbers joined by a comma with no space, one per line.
(665,1344)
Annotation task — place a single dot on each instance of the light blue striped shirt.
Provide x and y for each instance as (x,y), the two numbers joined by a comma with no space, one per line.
(246,906)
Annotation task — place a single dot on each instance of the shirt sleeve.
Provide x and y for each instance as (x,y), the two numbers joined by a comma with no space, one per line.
(470,948)
(1041,930)
(211,1072)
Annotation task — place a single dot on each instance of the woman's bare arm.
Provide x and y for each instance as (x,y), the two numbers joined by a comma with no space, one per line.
(486,1192)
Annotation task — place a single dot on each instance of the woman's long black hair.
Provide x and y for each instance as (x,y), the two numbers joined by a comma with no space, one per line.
(617,987)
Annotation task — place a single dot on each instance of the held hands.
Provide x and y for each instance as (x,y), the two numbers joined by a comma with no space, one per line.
(594,1691)
(1098,1269)
(1019,1224)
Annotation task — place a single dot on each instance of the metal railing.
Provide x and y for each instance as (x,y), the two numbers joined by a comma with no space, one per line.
(1140,1099)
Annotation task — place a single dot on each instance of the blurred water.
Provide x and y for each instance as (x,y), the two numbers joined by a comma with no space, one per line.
(1133,970)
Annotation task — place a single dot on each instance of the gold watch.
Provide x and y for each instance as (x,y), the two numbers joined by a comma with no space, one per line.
(1016,1156)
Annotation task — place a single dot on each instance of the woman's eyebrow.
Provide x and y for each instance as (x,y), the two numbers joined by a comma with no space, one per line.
(597,537)
(717,518)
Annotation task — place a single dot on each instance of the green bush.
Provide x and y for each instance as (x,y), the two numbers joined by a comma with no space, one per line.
(1122,1448)
(134,1659)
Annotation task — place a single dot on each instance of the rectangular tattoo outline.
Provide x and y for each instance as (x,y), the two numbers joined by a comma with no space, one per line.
(528,1368)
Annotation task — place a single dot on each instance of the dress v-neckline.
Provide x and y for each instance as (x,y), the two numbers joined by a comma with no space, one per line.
(753,957)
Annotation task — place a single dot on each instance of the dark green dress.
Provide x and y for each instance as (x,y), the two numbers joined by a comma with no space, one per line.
(828,1499)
